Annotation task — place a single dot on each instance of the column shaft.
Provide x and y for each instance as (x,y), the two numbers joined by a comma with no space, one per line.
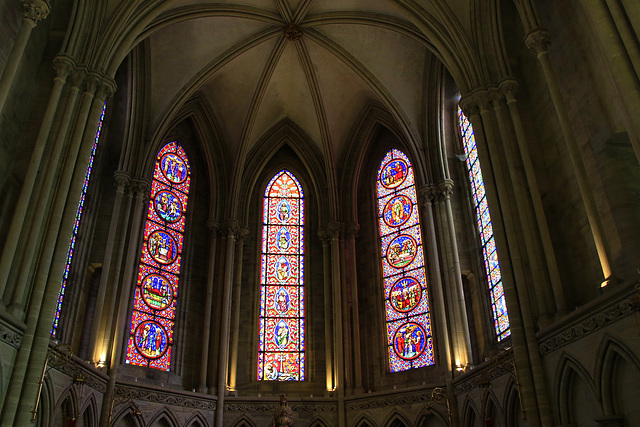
(328,335)
(351,234)
(334,229)
(242,232)
(206,328)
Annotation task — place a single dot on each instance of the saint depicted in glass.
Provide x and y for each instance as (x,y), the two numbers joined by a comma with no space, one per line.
(154,305)
(483,221)
(76,225)
(405,286)
(281,328)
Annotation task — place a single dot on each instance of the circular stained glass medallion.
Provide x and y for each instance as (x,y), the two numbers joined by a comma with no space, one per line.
(174,168)
(409,341)
(397,211)
(405,294)
(156,291)
(401,251)
(394,173)
(162,247)
(168,206)
(151,339)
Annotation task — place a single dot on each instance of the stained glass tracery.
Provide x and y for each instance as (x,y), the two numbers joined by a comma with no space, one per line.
(485,229)
(76,226)
(154,305)
(408,322)
(282,329)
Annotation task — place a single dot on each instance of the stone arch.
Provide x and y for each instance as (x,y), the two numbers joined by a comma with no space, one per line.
(397,419)
(365,420)
(433,416)
(66,408)
(491,409)
(512,406)
(318,423)
(46,407)
(470,417)
(197,420)
(576,393)
(127,416)
(617,371)
(165,418)
(243,421)
(88,415)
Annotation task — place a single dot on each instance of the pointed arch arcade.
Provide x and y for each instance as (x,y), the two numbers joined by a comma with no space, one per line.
(154,305)
(408,321)
(281,339)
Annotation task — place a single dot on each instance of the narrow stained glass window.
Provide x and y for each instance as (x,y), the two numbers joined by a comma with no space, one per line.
(154,304)
(405,284)
(281,328)
(76,225)
(485,229)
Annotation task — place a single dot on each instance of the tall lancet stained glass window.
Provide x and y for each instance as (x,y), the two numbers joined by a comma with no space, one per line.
(483,220)
(154,304)
(282,329)
(405,284)
(76,226)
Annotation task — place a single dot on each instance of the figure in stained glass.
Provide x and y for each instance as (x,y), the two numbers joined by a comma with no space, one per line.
(283,238)
(168,206)
(151,339)
(156,291)
(162,247)
(407,307)
(284,211)
(282,301)
(174,168)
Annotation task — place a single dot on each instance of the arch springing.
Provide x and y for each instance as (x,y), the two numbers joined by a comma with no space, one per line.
(406,302)
(154,305)
(282,329)
(485,229)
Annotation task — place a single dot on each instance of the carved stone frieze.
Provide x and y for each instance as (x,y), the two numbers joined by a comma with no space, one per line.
(391,400)
(10,336)
(591,324)
(167,398)
(484,376)
(90,379)
(270,407)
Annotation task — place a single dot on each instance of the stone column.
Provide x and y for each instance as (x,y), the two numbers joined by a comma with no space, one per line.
(543,299)
(509,88)
(442,340)
(42,200)
(115,322)
(53,258)
(213,226)
(538,40)
(518,338)
(34,11)
(334,229)
(231,229)
(112,261)
(609,23)
(63,67)
(461,338)
(325,238)
(351,233)
(240,236)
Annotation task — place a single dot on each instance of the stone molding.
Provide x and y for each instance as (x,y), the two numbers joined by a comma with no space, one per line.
(172,399)
(10,336)
(271,406)
(586,326)
(90,379)
(389,400)
(483,375)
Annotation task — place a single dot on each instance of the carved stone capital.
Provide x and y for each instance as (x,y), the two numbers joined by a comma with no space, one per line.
(106,88)
(509,88)
(36,10)
(77,77)
(352,229)
(325,237)
(122,179)
(231,226)
(91,83)
(63,65)
(292,32)
(495,97)
(213,225)
(445,188)
(335,229)
(538,40)
(142,187)
(241,234)
(428,193)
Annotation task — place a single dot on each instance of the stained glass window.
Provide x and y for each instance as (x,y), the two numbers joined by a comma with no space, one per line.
(405,285)
(154,304)
(485,229)
(281,341)
(76,225)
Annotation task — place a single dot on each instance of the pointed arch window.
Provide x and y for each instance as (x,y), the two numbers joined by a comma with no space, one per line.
(154,304)
(76,227)
(485,229)
(408,321)
(282,329)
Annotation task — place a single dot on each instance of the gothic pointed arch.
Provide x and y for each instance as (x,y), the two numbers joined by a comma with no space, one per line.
(433,416)
(397,419)
(164,418)
(491,409)
(243,421)
(365,420)
(470,417)
(197,420)
(126,415)
(89,412)
(575,389)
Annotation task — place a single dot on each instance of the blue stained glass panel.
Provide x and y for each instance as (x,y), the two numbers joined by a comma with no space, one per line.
(485,229)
